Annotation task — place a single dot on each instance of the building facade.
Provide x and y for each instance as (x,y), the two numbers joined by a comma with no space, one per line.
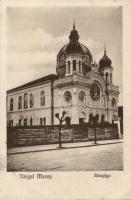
(81,87)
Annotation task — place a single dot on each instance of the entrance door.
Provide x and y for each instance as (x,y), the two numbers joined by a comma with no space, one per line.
(81,120)
(102,118)
(97,118)
(91,118)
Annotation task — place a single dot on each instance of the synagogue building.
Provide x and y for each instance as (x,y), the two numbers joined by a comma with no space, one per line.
(81,87)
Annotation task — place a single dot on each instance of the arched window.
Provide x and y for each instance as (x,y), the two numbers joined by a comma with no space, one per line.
(20,103)
(91,118)
(42,99)
(80,67)
(68,121)
(19,122)
(31,121)
(102,118)
(74,65)
(10,124)
(107,77)
(25,101)
(25,122)
(41,122)
(68,67)
(11,104)
(97,118)
(31,100)
(44,119)
(111,77)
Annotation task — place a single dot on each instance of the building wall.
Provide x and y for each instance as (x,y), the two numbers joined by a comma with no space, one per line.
(61,105)
(37,111)
(75,109)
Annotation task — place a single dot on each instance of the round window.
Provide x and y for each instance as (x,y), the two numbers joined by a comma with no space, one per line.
(95,92)
(68,97)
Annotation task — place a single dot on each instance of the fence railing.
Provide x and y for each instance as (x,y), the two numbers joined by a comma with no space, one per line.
(23,136)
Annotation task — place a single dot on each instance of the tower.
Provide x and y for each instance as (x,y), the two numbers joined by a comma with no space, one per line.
(112,91)
(105,68)
(85,89)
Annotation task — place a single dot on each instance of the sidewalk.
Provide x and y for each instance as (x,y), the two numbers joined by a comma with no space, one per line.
(50,147)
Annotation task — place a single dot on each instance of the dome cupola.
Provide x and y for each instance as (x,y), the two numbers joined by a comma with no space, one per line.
(105,68)
(74,46)
(74,37)
(74,51)
(105,61)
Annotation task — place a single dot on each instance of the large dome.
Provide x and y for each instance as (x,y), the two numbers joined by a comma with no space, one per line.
(77,48)
(74,47)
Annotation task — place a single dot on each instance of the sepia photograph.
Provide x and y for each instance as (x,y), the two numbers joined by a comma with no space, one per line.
(64,98)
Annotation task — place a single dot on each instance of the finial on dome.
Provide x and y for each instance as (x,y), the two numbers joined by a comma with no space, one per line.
(105,61)
(74,25)
(104,49)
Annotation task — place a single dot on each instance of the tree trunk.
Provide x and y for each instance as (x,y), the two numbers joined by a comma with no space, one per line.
(60,145)
(95,136)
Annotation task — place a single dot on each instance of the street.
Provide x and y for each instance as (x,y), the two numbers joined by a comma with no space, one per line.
(101,157)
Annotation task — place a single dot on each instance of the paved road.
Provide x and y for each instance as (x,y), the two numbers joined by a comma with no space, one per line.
(103,157)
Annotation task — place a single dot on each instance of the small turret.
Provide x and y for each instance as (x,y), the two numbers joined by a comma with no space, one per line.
(105,68)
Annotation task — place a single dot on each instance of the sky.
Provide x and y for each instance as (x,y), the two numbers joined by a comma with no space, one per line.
(35,35)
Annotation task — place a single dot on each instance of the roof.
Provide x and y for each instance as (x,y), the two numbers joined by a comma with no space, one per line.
(105,61)
(82,48)
(39,81)
(74,46)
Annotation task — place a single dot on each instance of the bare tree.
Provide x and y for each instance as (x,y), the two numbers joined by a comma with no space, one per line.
(61,120)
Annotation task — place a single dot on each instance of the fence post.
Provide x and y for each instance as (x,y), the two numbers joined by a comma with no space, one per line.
(73,136)
(46,134)
(95,135)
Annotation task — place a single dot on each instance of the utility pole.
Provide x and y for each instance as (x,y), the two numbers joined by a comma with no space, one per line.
(94,122)
(107,100)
